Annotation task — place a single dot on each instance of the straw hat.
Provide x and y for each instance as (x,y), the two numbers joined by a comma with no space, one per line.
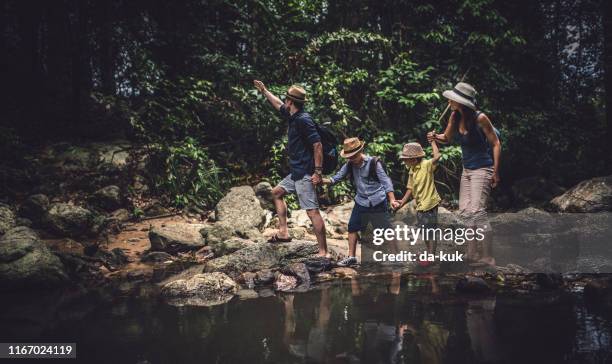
(297,94)
(412,150)
(462,93)
(351,146)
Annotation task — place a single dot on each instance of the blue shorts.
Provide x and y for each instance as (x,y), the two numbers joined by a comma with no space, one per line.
(361,215)
(304,189)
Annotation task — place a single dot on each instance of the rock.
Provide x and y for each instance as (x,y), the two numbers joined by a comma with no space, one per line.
(108,198)
(471,285)
(340,214)
(217,233)
(69,220)
(71,158)
(113,259)
(535,189)
(250,234)
(35,207)
(7,219)
(296,250)
(258,256)
(592,195)
(513,269)
(263,191)
(248,278)
(178,237)
(264,276)
(120,215)
(285,282)
(230,245)
(299,270)
(345,272)
(204,289)
(155,208)
(252,258)
(115,153)
(241,208)
(23,221)
(300,219)
(297,232)
(247,294)
(25,261)
(318,264)
(529,220)
(156,257)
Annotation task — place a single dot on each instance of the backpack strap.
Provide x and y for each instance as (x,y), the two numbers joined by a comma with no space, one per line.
(372,172)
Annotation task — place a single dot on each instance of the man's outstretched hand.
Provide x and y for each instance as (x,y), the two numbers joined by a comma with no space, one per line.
(259,85)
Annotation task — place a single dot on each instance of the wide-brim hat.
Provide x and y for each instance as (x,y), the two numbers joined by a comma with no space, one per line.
(462,93)
(412,150)
(351,146)
(297,94)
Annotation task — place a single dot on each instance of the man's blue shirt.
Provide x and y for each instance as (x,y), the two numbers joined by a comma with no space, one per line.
(301,135)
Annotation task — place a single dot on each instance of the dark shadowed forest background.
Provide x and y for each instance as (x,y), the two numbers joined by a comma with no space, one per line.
(175,78)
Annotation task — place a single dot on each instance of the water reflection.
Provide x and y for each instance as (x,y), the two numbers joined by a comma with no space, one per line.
(382,319)
(386,327)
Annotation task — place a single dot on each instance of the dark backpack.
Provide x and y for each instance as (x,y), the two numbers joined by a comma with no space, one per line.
(330,145)
(330,151)
(372,176)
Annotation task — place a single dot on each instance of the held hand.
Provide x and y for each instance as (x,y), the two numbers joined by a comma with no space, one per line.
(316,179)
(495,180)
(326,181)
(259,85)
(396,204)
(431,136)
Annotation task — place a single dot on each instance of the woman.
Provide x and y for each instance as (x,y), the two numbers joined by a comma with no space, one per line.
(481,149)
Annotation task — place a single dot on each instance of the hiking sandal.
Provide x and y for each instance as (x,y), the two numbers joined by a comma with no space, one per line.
(277,239)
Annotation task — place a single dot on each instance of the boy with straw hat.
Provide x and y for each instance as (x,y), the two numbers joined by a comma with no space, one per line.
(422,186)
(374,192)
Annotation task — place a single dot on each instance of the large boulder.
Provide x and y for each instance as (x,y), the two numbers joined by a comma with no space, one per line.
(108,198)
(241,208)
(70,220)
(258,256)
(35,207)
(178,237)
(592,195)
(25,261)
(204,289)
(263,191)
(7,219)
(251,258)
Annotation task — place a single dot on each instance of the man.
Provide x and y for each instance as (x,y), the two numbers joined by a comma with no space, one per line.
(374,193)
(305,163)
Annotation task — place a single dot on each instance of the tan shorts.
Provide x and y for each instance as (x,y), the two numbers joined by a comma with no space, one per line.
(474,191)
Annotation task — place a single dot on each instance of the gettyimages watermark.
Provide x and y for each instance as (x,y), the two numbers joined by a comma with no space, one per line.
(530,240)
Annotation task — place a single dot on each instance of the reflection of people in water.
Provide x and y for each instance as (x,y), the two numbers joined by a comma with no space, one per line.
(481,328)
(382,334)
(315,348)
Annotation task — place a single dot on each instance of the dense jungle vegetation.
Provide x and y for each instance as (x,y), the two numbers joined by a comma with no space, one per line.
(176,76)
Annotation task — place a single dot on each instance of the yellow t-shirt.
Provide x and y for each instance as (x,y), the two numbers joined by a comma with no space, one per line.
(421,182)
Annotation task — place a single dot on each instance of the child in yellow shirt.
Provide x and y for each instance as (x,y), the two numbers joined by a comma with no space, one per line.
(422,186)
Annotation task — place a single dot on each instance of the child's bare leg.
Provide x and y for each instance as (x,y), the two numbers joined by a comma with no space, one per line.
(352,242)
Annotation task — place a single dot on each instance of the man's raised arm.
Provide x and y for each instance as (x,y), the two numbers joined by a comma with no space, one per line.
(273,100)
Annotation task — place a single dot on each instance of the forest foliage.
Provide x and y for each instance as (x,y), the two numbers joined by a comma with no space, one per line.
(178,75)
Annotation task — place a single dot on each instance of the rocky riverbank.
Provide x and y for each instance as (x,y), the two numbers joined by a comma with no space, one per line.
(113,232)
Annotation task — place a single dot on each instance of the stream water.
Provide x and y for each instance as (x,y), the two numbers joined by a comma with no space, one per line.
(389,319)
